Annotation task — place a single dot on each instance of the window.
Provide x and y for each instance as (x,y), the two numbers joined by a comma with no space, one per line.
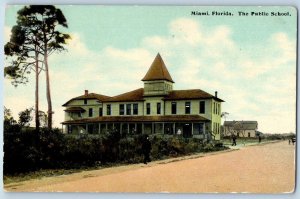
(100,111)
(174,107)
(69,129)
(135,109)
(202,107)
(128,109)
(108,109)
(158,108)
(85,101)
(219,109)
(201,128)
(148,108)
(215,128)
(90,112)
(214,108)
(121,109)
(187,107)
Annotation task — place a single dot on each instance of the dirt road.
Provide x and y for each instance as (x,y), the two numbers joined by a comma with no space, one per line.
(267,168)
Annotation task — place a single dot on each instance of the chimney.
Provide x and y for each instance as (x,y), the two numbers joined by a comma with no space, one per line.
(86,92)
(216,93)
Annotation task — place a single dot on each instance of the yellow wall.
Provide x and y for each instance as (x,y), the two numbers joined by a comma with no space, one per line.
(157,87)
(91,103)
(153,104)
(166,107)
(115,108)
(216,119)
(194,107)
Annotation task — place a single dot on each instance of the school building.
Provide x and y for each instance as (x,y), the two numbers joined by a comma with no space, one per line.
(154,109)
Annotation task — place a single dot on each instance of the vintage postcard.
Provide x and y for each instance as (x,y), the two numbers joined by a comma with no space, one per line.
(172,99)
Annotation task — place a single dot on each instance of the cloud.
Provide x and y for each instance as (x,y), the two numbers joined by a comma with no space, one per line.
(275,53)
(257,83)
(185,31)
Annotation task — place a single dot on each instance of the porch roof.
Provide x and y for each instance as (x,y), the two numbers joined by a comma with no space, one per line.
(164,118)
(74,109)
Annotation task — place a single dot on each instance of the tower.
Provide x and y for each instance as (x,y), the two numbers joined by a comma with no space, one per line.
(157,81)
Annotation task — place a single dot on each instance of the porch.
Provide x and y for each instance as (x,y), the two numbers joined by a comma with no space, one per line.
(186,125)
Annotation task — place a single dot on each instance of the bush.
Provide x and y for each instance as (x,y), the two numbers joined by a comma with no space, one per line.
(28,151)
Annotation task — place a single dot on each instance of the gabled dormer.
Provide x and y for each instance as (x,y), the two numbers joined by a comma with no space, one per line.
(157,80)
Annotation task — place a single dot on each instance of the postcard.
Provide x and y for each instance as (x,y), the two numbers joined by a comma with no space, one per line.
(150,99)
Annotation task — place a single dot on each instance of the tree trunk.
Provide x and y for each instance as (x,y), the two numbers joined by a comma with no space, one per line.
(48,94)
(37,119)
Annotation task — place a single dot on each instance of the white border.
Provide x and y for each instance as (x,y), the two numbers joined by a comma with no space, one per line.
(3,3)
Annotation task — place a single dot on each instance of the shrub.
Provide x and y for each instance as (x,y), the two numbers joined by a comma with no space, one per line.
(28,151)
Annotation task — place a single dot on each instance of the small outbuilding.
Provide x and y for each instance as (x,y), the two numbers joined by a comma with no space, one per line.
(240,128)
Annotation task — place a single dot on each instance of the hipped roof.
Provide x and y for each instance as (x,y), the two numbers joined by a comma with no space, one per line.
(242,125)
(158,71)
(135,95)
(190,94)
(89,96)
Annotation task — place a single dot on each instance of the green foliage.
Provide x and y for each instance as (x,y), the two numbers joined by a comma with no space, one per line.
(10,124)
(25,117)
(50,149)
(35,36)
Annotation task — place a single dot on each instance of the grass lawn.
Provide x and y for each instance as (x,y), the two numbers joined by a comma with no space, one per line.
(37,175)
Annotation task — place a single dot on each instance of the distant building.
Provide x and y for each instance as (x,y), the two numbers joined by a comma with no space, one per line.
(156,108)
(240,128)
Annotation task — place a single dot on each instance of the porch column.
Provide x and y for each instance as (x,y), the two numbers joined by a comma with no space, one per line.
(192,128)
(86,128)
(128,129)
(99,128)
(163,128)
(106,127)
(143,126)
(121,128)
(174,130)
(62,128)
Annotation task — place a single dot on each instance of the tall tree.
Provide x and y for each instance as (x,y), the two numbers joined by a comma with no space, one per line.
(42,21)
(23,52)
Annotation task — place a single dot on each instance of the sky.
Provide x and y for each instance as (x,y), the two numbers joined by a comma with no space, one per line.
(249,60)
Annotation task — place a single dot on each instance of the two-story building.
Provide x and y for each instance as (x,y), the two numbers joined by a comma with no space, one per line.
(155,108)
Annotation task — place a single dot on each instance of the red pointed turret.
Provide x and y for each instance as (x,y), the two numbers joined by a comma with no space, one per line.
(158,71)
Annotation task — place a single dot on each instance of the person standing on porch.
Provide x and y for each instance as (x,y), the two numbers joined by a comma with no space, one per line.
(179,132)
